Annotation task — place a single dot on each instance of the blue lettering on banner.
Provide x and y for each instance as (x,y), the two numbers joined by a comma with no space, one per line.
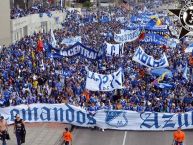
(156,63)
(112,119)
(148,120)
(61,114)
(183,118)
(81,117)
(45,114)
(168,122)
(69,114)
(144,58)
(29,112)
(92,75)
(105,79)
(138,53)
(162,61)
(100,83)
(111,81)
(13,113)
(141,57)
(92,121)
(192,118)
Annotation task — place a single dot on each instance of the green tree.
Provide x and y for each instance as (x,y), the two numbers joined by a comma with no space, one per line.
(87,4)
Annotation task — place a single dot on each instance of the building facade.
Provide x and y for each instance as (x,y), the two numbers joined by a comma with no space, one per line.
(5,31)
(12,30)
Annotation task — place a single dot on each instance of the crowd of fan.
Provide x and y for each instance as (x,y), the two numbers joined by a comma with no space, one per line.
(36,8)
(28,76)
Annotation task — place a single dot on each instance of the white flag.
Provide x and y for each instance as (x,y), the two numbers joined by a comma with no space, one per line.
(53,40)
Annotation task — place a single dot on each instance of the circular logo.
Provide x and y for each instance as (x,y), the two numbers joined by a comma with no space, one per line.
(186,16)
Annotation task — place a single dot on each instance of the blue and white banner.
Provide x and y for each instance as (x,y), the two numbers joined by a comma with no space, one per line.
(140,18)
(154,39)
(106,119)
(100,82)
(80,49)
(71,41)
(125,31)
(160,71)
(159,40)
(189,49)
(157,28)
(53,39)
(127,37)
(144,59)
(114,49)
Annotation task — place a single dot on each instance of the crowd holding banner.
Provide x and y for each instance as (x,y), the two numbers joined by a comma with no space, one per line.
(120,88)
(106,119)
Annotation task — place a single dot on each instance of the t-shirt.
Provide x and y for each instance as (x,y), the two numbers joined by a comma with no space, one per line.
(19,125)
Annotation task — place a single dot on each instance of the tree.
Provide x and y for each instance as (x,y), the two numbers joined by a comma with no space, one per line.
(87,4)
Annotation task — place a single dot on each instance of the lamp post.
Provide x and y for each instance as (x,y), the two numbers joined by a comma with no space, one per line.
(98,9)
(24,1)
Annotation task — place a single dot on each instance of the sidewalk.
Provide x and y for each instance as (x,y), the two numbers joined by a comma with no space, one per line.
(40,133)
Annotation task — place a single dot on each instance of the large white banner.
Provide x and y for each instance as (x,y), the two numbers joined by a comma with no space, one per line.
(107,119)
(114,49)
(141,57)
(100,82)
(71,40)
(127,36)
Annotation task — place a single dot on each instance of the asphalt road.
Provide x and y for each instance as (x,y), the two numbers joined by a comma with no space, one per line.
(112,137)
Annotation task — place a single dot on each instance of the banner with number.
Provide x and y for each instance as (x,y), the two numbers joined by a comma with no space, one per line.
(144,59)
(100,82)
(71,40)
(114,49)
(106,119)
(127,37)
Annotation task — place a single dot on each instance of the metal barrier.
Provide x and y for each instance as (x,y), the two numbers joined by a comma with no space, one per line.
(59,141)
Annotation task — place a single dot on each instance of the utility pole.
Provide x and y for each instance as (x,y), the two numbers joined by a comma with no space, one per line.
(98,9)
